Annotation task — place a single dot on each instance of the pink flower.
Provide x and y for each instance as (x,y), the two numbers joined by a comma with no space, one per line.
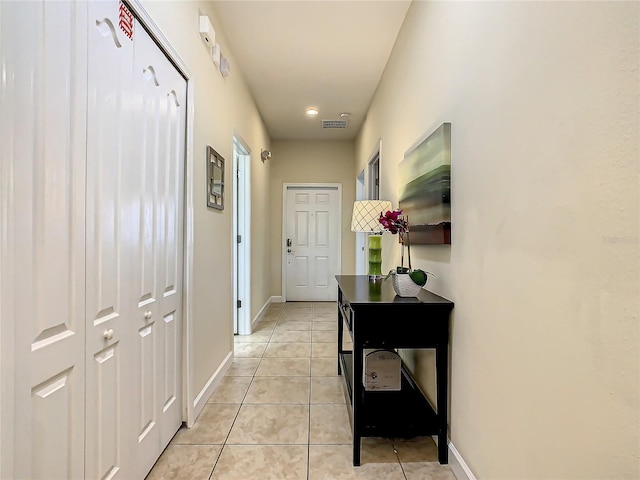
(394,222)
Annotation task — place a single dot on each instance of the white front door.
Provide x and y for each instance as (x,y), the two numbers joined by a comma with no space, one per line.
(311,242)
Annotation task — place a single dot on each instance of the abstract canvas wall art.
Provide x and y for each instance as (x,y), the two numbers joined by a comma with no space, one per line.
(425,188)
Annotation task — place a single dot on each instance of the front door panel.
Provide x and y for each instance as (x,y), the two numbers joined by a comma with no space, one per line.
(312,243)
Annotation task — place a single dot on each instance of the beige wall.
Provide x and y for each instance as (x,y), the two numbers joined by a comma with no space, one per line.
(261,227)
(543,270)
(311,162)
(223,106)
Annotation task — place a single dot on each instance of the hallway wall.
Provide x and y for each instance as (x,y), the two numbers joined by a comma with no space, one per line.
(543,266)
(311,162)
(223,106)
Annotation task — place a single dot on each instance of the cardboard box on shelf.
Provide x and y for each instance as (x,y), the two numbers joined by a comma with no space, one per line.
(381,370)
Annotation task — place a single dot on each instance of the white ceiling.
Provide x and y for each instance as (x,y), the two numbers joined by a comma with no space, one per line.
(295,54)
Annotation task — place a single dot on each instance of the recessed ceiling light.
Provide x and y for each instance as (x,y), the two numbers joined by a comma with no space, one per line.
(345,115)
(312,111)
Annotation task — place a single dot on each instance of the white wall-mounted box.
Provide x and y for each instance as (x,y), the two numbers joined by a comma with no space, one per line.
(225,68)
(215,55)
(381,370)
(207,32)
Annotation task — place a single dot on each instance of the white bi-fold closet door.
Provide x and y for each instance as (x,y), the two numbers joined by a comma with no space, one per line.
(93,141)
(135,151)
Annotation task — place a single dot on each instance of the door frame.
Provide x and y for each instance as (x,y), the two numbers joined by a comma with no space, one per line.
(361,251)
(188,407)
(373,170)
(368,191)
(241,226)
(283,247)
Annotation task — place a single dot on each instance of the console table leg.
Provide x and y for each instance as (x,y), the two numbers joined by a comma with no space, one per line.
(340,330)
(356,400)
(443,449)
(356,452)
(442,380)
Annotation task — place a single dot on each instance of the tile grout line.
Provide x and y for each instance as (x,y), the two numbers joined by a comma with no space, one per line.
(310,395)
(235,418)
(309,404)
(253,377)
(309,419)
(216,462)
(230,428)
(397,454)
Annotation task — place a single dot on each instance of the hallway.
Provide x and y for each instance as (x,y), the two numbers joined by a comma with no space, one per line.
(280,414)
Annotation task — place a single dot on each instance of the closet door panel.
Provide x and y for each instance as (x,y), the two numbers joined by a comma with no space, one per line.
(145,168)
(42,132)
(172,251)
(112,226)
(171,302)
(160,245)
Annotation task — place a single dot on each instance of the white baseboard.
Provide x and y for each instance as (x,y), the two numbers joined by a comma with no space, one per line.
(260,314)
(458,466)
(201,399)
(263,310)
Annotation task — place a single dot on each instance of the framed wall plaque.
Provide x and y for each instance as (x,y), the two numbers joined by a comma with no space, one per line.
(215,179)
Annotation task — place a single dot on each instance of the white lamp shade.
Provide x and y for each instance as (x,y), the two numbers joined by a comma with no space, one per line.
(366,215)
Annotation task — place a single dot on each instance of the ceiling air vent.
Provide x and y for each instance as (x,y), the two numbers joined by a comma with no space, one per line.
(335,123)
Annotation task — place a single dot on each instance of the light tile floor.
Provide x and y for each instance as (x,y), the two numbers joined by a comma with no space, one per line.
(280,414)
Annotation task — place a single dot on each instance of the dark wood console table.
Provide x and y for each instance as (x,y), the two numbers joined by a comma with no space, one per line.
(376,318)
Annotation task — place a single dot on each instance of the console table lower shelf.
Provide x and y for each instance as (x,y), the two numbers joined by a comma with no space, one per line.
(404,413)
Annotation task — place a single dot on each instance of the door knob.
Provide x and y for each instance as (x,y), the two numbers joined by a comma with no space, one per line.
(148,315)
(288,250)
(108,334)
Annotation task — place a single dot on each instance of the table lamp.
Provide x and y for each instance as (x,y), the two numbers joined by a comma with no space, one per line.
(365,219)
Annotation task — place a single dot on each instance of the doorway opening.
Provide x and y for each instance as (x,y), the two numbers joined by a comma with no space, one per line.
(373,192)
(361,237)
(241,238)
(367,188)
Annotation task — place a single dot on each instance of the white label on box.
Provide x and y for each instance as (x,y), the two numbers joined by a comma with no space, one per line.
(382,370)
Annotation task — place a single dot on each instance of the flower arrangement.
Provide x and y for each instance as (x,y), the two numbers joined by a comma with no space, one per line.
(397,223)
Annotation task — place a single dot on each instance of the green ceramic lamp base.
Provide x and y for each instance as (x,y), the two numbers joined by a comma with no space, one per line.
(375,257)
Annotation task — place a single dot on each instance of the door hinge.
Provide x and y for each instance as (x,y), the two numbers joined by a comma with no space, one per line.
(239,239)
(239,304)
